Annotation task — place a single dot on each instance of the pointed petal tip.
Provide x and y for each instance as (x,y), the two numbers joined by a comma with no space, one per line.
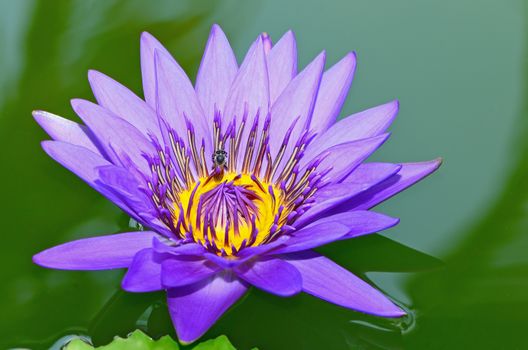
(215,31)
(37,260)
(387,309)
(95,79)
(38,113)
(289,36)
(47,146)
(41,259)
(434,164)
(430,165)
(319,62)
(77,103)
(351,58)
(394,312)
(146,36)
(42,116)
(391,222)
(395,105)
(216,27)
(268,43)
(94,75)
(382,138)
(146,39)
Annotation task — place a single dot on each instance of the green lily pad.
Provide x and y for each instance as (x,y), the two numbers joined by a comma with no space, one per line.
(220,343)
(140,341)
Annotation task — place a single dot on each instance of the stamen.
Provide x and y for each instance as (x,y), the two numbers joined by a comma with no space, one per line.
(250,144)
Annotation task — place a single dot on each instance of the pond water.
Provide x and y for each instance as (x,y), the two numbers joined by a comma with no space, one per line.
(458,262)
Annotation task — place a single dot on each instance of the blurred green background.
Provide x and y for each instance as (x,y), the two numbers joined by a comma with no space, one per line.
(459,69)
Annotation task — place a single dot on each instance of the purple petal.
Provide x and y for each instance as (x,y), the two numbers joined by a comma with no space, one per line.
(195,308)
(249,252)
(216,74)
(295,103)
(342,159)
(369,123)
(61,129)
(266,42)
(282,64)
(144,274)
(272,275)
(149,45)
(124,103)
(96,253)
(124,144)
(326,280)
(362,178)
(369,174)
(193,249)
(125,186)
(251,87)
(68,155)
(332,93)
(177,100)
(409,174)
(223,262)
(249,93)
(335,227)
(179,272)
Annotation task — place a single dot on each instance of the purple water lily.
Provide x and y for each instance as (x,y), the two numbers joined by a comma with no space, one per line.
(237,178)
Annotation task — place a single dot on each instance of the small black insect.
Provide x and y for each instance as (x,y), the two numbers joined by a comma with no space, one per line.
(220,157)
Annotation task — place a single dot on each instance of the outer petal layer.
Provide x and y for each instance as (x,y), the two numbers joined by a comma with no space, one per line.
(144,274)
(122,141)
(272,275)
(249,94)
(342,159)
(326,280)
(68,155)
(282,64)
(61,129)
(195,308)
(96,253)
(124,103)
(294,107)
(369,123)
(339,226)
(409,174)
(362,178)
(216,74)
(332,93)
(176,100)
(149,45)
(250,89)
(179,272)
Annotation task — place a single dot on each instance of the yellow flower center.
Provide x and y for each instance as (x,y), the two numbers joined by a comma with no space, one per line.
(229,212)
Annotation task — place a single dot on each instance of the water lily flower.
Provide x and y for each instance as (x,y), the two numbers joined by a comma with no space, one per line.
(236,179)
